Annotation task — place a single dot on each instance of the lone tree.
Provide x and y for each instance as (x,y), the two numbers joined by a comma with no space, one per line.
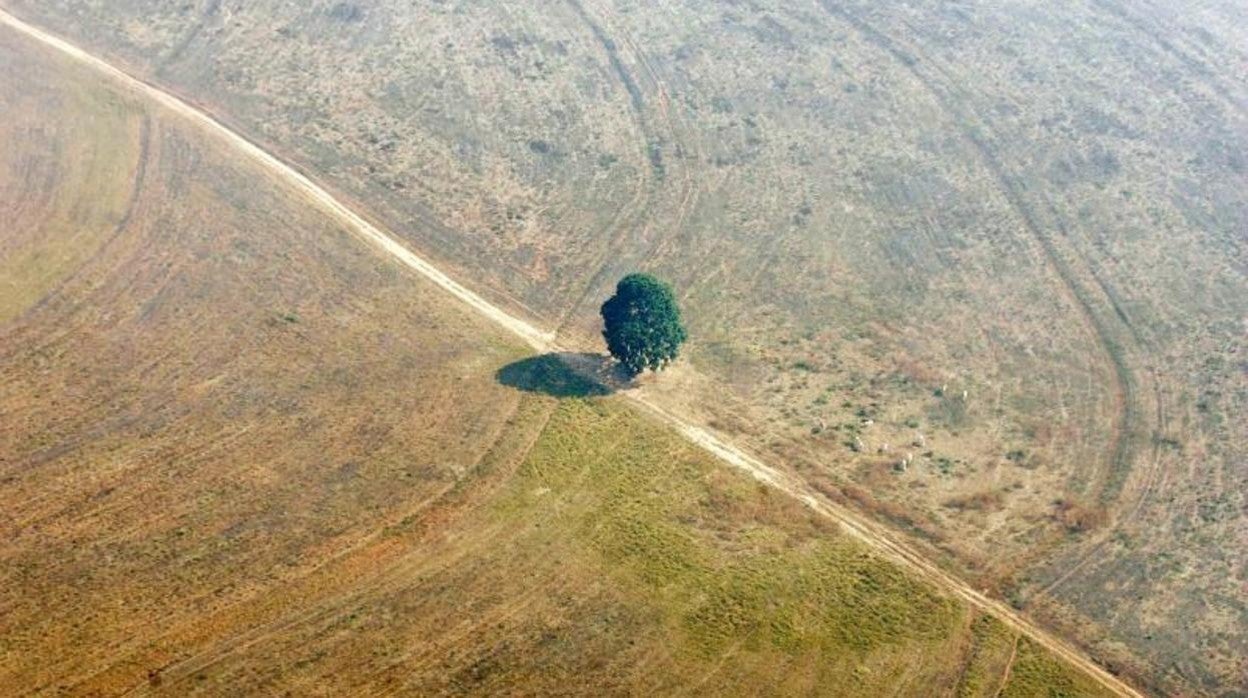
(643,328)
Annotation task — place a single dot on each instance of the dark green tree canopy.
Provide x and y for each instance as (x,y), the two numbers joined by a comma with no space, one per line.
(643,328)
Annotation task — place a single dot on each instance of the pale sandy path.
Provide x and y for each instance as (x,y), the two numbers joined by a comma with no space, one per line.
(869,532)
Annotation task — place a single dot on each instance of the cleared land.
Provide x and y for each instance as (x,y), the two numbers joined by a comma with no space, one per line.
(1009,237)
(239,451)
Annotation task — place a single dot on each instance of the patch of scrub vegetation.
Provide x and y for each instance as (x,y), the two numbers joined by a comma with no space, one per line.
(728,563)
(826,596)
(991,649)
(1037,673)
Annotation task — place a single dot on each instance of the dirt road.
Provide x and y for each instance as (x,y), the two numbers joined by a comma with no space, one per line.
(878,537)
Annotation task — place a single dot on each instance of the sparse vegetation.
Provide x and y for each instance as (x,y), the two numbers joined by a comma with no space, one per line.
(1078,517)
(990,658)
(1037,674)
(992,500)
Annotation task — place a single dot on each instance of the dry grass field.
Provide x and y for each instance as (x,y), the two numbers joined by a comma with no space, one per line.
(1006,243)
(242,453)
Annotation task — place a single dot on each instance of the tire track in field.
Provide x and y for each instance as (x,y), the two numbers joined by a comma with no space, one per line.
(676,128)
(389,580)
(1125,395)
(138,179)
(140,174)
(1194,65)
(1009,666)
(1119,452)
(643,200)
(455,496)
(1132,420)
(210,12)
(612,263)
(1152,479)
(871,534)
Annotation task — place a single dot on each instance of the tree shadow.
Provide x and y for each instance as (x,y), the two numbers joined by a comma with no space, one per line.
(565,374)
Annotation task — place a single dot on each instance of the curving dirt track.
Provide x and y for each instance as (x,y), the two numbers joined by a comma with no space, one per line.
(1137,411)
(872,534)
